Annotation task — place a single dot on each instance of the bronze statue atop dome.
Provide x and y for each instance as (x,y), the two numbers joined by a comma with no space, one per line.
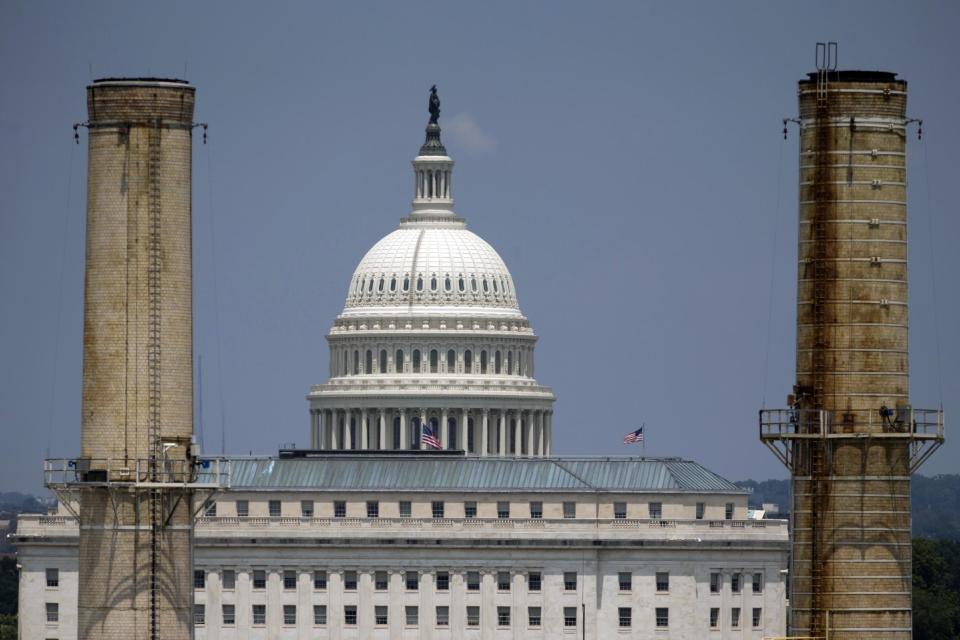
(434,105)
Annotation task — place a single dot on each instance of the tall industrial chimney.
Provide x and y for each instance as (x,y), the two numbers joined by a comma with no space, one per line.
(136,555)
(850,436)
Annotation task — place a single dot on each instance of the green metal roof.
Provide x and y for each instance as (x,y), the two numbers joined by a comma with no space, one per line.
(436,473)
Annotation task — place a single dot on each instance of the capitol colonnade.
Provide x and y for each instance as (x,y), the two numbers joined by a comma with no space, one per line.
(480,431)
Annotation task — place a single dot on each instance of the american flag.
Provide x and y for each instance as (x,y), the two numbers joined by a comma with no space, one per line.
(428,439)
(634,436)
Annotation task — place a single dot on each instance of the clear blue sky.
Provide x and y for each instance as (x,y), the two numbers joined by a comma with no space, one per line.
(622,157)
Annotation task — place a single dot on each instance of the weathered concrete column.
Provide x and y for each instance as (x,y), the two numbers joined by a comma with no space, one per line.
(502,445)
(529,434)
(444,430)
(483,433)
(464,430)
(382,430)
(404,434)
(364,429)
(348,422)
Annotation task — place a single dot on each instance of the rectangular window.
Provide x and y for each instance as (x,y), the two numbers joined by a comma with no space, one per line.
(320,615)
(503,509)
(274,507)
(380,615)
(728,511)
(53,612)
(412,615)
(533,616)
(469,509)
(663,617)
(534,581)
(320,580)
(715,583)
(735,617)
(569,616)
(473,581)
(199,579)
(625,580)
(443,581)
(199,615)
(620,510)
(536,510)
(380,579)
(663,581)
(503,581)
(503,616)
(701,508)
(373,509)
(758,583)
(259,579)
(473,616)
(625,616)
(569,580)
(569,509)
(306,508)
(53,578)
(735,583)
(443,616)
(228,579)
(714,617)
(289,580)
(757,617)
(211,510)
(339,509)
(229,615)
(413,580)
(289,615)
(436,509)
(259,615)
(349,580)
(350,615)
(405,509)
(243,508)
(655,510)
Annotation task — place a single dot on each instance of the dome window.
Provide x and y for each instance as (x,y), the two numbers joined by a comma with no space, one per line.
(468,361)
(370,286)
(486,287)
(496,362)
(461,285)
(383,361)
(345,362)
(380,286)
(446,284)
(434,360)
(416,360)
(433,283)
(368,369)
(494,285)
(406,284)
(473,284)
(420,283)
(363,285)
(398,361)
(483,361)
(509,362)
(393,285)
(451,361)
(356,362)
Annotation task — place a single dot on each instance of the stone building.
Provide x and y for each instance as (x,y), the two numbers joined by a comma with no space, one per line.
(371,535)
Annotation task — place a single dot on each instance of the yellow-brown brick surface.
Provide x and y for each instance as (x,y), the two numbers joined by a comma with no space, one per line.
(850,573)
(138,216)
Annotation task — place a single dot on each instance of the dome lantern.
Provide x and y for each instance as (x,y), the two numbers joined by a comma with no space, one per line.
(432,172)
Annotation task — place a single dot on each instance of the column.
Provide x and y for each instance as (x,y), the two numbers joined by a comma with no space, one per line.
(529,423)
(404,434)
(347,432)
(464,430)
(483,432)
(304,604)
(540,427)
(548,438)
(503,433)
(313,428)
(488,606)
(335,429)
(364,429)
(444,429)
(423,421)
(382,431)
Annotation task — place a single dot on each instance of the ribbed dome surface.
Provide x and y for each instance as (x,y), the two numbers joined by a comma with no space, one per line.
(432,266)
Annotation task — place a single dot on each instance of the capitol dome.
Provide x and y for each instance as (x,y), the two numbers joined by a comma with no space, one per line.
(431,349)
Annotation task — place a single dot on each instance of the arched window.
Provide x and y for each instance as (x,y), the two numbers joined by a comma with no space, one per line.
(406,284)
(483,361)
(433,283)
(446,284)
(363,285)
(485,286)
(416,360)
(356,363)
(383,361)
(398,361)
(473,284)
(509,363)
(414,433)
(380,285)
(345,361)
(496,362)
(520,363)
(419,283)
(467,361)
(494,284)
(461,285)
(451,435)
(434,360)
(368,368)
(396,433)
(393,285)
(451,361)
(370,286)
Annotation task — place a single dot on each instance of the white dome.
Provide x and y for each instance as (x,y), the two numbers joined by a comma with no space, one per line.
(433,266)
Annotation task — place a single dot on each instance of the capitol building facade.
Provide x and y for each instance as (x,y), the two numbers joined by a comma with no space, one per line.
(430,505)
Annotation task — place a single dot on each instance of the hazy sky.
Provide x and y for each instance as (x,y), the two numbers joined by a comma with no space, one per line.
(625,159)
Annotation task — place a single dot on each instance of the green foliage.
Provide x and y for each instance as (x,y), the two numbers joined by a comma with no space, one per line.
(936,589)
(8,627)
(9,584)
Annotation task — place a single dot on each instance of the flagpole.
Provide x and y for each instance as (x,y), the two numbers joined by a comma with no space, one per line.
(644,427)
